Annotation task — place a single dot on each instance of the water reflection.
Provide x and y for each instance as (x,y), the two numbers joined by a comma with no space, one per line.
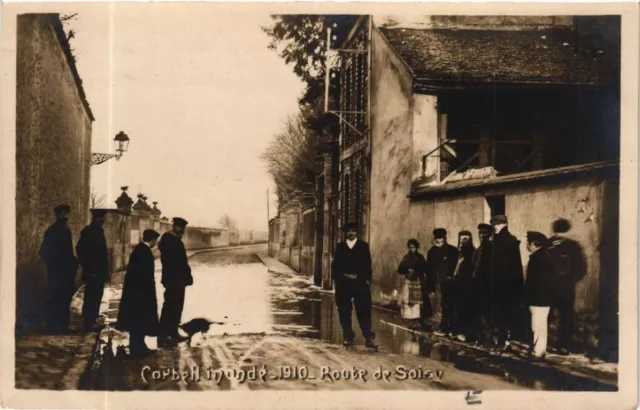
(313,314)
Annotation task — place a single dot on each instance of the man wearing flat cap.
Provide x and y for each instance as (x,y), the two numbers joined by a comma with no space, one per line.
(538,291)
(441,263)
(176,276)
(508,280)
(351,272)
(57,252)
(94,259)
(570,266)
(138,313)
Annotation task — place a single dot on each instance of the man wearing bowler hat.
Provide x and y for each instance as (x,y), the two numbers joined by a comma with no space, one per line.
(351,272)
(508,280)
(176,276)
(57,252)
(94,259)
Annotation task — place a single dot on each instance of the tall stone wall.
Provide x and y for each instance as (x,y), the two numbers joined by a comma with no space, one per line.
(53,138)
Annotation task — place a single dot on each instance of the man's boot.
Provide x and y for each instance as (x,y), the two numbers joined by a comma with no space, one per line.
(369,342)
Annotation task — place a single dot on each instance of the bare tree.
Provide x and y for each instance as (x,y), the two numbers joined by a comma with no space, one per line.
(227,222)
(291,159)
(97,201)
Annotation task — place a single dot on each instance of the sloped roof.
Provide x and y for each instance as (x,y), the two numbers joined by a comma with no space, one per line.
(539,56)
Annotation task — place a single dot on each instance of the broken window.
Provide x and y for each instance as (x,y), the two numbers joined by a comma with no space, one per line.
(489,131)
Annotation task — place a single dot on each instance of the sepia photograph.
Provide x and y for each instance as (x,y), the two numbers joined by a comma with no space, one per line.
(231,198)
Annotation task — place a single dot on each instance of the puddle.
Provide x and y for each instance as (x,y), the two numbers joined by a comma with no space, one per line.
(319,320)
(249,299)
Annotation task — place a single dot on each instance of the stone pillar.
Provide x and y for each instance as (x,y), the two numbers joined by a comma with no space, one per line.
(124,202)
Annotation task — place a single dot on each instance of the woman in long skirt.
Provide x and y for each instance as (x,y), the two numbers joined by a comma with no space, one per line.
(410,268)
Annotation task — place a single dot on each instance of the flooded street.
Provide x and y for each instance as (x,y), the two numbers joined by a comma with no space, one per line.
(279,331)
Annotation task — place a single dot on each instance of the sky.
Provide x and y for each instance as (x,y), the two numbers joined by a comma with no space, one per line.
(200,96)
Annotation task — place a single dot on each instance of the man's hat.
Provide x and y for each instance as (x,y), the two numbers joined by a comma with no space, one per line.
(499,219)
(536,237)
(485,227)
(350,226)
(180,222)
(561,226)
(439,233)
(149,235)
(465,233)
(98,212)
(62,210)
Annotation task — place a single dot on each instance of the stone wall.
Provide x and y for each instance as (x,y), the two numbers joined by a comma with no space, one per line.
(53,138)
(117,230)
(591,205)
(292,238)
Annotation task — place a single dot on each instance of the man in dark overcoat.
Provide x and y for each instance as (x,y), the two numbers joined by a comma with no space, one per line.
(176,276)
(482,284)
(463,292)
(94,259)
(570,267)
(57,252)
(508,281)
(351,272)
(138,312)
(440,266)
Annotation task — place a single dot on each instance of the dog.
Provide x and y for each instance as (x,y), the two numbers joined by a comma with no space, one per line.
(198,325)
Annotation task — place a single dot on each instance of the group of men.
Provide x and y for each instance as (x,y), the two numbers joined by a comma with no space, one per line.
(486,288)
(138,307)
(476,291)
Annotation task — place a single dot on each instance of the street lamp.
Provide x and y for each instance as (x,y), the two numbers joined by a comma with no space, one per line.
(121,142)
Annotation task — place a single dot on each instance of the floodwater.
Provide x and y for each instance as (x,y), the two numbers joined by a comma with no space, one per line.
(273,316)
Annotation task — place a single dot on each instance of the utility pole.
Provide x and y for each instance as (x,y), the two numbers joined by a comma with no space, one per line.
(268,218)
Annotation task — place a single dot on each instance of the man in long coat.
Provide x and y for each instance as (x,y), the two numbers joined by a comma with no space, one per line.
(176,276)
(463,292)
(351,272)
(508,280)
(94,258)
(482,284)
(570,267)
(440,266)
(57,252)
(138,312)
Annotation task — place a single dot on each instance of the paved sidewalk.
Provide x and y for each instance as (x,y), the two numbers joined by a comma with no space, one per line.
(576,365)
(55,362)
(273,264)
